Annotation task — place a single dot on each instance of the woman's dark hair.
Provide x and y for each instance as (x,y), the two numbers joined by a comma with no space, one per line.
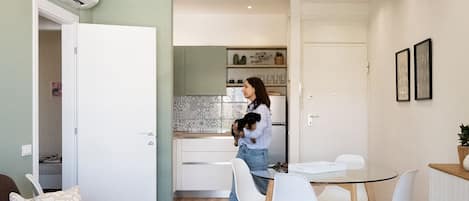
(261,93)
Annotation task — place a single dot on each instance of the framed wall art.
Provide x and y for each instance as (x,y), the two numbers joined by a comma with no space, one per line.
(423,70)
(403,75)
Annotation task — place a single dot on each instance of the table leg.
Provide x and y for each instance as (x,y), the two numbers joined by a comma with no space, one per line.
(270,191)
(353,193)
(370,191)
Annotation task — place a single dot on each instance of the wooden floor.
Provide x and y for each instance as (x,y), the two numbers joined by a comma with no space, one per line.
(200,199)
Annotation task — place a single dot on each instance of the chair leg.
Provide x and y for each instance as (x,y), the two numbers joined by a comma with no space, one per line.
(270,191)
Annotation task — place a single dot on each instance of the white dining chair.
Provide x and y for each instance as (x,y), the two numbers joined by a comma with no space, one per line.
(336,193)
(245,188)
(37,186)
(288,187)
(405,186)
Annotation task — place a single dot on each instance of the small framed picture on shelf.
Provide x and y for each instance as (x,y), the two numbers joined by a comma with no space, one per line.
(403,75)
(423,70)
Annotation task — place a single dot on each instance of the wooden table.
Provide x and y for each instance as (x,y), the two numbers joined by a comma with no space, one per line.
(347,179)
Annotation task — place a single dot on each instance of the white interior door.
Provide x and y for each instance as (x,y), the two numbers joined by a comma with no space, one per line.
(334,115)
(116,112)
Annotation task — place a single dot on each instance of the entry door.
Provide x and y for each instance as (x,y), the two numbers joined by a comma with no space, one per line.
(116,112)
(334,115)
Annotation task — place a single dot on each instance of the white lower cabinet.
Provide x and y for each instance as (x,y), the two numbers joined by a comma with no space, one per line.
(204,164)
(206,177)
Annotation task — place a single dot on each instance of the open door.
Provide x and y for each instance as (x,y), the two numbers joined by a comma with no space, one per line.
(116,113)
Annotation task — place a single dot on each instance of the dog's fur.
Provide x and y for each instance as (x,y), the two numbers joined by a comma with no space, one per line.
(248,121)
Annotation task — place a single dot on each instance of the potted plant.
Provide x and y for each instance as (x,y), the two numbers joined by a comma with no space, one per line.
(463,148)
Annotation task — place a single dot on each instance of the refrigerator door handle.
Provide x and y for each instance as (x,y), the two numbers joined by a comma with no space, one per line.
(279,124)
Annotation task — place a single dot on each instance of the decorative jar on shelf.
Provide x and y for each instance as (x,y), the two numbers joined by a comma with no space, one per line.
(279,60)
(236,59)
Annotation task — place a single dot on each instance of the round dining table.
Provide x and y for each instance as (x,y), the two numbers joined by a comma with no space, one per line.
(347,179)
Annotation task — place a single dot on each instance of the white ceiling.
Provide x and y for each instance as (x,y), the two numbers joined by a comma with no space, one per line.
(182,7)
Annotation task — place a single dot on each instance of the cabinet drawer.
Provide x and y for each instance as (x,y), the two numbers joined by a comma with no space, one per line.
(207,157)
(206,177)
(209,145)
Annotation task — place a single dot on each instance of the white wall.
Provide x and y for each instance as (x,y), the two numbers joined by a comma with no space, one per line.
(50,108)
(330,78)
(230,29)
(409,135)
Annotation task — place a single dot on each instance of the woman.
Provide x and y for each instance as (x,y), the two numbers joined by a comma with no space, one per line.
(254,153)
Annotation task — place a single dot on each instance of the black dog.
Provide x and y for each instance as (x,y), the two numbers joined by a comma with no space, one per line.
(248,121)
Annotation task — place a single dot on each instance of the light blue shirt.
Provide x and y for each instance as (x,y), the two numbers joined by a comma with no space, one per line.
(263,131)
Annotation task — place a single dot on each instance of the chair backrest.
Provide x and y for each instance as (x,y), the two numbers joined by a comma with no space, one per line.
(351,160)
(245,187)
(7,186)
(289,187)
(405,186)
(37,187)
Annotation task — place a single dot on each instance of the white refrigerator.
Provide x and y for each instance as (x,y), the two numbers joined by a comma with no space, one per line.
(278,146)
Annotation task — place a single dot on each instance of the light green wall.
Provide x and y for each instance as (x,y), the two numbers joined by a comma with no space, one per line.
(155,13)
(15,90)
(16,79)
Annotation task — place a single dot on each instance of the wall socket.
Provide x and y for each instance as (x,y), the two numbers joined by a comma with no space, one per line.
(26,150)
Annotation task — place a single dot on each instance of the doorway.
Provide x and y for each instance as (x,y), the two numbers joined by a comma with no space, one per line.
(50,105)
(54,64)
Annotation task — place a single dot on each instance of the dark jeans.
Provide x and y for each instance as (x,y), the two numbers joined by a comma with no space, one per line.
(256,159)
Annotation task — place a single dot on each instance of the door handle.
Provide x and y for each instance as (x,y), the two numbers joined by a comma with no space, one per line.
(150,134)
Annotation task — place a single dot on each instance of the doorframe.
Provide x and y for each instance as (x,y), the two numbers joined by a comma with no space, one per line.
(69,23)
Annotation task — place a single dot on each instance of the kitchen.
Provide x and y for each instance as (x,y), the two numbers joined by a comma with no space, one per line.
(209,69)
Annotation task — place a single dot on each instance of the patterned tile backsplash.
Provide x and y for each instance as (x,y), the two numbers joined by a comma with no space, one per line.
(208,113)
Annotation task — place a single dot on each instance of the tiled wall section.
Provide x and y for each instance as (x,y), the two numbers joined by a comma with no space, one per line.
(208,113)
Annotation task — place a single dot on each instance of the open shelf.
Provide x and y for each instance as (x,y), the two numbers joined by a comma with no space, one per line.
(256,66)
(267,85)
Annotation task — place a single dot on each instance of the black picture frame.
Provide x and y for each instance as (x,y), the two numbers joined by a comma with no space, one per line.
(403,75)
(423,81)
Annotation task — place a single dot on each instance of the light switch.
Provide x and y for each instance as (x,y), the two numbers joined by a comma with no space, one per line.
(26,150)
(310,119)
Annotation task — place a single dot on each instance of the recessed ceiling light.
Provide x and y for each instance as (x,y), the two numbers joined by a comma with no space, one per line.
(249,7)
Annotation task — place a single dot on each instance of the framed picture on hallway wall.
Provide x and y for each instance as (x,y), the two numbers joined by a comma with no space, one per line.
(403,75)
(56,88)
(423,70)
